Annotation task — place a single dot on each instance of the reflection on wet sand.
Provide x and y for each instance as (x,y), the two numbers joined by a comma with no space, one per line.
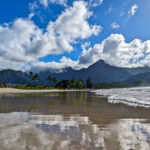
(71,121)
(43,132)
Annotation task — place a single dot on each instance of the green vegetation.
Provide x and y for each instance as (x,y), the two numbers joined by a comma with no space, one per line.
(34,77)
(2,85)
(49,79)
(31,74)
(29,87)
(77,84)
(111,85)
(89,83)
(52,80)
(53,83)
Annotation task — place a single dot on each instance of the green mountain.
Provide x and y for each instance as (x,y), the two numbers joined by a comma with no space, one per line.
(14,77)
(98,72)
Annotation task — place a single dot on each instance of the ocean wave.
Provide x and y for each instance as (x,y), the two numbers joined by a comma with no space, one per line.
(131,96)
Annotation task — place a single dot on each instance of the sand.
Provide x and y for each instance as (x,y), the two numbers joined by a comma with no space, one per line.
(13,91)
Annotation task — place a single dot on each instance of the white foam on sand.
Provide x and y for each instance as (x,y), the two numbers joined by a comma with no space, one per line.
(139,96)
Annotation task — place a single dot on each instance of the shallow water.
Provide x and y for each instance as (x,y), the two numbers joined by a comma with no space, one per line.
(71,121)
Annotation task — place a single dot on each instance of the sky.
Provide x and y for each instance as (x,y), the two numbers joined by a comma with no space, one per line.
(53,34)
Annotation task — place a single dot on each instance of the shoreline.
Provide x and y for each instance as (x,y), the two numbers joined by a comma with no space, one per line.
(18,91)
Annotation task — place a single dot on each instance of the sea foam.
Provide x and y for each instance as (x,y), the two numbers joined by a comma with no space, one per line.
(139,96)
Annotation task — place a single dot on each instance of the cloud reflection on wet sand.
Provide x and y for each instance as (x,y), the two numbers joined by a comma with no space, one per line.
(23,131)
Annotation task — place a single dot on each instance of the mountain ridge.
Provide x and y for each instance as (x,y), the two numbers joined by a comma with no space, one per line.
(98,72)
(14,77)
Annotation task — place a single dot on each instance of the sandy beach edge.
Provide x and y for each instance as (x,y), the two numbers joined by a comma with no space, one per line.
(17,91)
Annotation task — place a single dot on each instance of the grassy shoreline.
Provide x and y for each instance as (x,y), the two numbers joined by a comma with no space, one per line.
(35,87)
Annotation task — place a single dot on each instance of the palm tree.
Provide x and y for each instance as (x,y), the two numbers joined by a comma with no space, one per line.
(49,79)
(55,80)
(36,77)
(89,83)
(31,75)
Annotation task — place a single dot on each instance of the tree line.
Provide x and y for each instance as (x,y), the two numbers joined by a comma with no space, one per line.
(52,82)
(80,83)
(73,83)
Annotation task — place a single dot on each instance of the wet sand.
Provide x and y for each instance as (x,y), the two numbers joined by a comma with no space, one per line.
(71,121)
(74,103)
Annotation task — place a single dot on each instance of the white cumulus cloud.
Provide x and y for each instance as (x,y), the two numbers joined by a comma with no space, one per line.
(116,51)
(23,42)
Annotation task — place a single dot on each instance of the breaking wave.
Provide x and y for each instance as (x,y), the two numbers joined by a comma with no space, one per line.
(131,96)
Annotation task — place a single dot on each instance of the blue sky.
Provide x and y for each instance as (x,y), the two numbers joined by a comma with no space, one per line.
(116,31)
